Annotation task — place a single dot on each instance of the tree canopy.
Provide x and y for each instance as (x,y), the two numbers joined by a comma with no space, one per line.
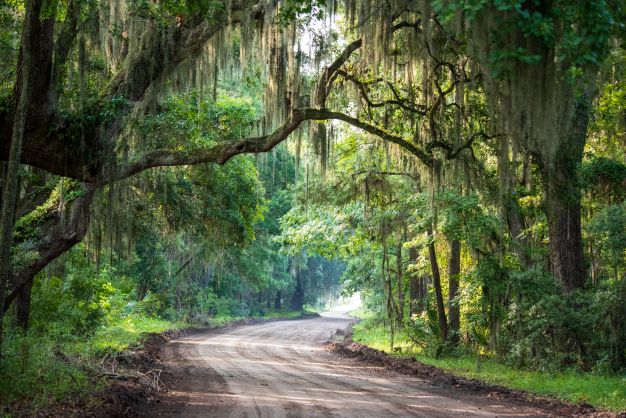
(461,164)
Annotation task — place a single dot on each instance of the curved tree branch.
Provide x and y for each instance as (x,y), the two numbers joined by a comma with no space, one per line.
(323,85)
(219,153)
(223,152)
(60,241)
(452,152)
(398,101)
(322,114)
(50,140)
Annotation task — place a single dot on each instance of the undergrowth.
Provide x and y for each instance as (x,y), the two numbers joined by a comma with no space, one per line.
(42,368)
(602,391)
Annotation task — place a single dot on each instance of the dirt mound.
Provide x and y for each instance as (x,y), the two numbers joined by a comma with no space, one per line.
(439,377)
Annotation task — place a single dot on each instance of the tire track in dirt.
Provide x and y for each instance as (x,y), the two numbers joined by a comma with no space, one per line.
(281,369)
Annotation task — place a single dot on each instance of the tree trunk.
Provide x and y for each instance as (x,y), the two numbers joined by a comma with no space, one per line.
(515,222)
(565,248)
(454,270)
(22,306)
(278,301)
(400,284)
(441,310)
(10,187)
(454,261)
(63,238)
(562,203)
(142,289)
(297,300)
(415,287)
(511,210)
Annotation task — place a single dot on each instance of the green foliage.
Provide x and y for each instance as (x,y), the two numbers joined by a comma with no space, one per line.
(196,121)
(74,320)
(372,331)
(291,10)
(17,4)
(361,273)
(323,230)
(608,231)
(120,333)
(608,126)
(164,12)
(463,218)
(233,197)
(28,226)
(599,390)
(10,24)
(75,305)
(422,330)
(606,177)
(578,32)
(34,371)
(546,330)
(150,267)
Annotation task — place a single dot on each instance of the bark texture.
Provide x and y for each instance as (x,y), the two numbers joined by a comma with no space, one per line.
(32,23)
(562,203)
(434,265)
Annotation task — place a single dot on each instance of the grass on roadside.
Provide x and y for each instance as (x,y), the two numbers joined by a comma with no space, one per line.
(38,370)
(607,392)
(120,335)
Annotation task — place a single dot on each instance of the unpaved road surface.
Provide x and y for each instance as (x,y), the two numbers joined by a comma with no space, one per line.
(281,369)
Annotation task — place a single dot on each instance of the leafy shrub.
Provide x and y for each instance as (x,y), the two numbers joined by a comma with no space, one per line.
(74,306)
(608,232)
(33,369)
(423,330)
(549,330)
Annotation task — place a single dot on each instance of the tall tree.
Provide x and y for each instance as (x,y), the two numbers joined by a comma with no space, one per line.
(549,52)
(33,24)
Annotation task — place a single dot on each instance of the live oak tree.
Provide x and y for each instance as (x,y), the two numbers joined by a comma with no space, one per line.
(444,85)
(541,61)
(82,143)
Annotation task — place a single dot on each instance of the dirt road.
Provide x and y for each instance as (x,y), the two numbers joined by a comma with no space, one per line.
(281,369)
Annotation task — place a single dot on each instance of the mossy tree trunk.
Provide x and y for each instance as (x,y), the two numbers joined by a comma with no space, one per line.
(399,284)
(562,205)
(32,26)
(564,230)
(416,287)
